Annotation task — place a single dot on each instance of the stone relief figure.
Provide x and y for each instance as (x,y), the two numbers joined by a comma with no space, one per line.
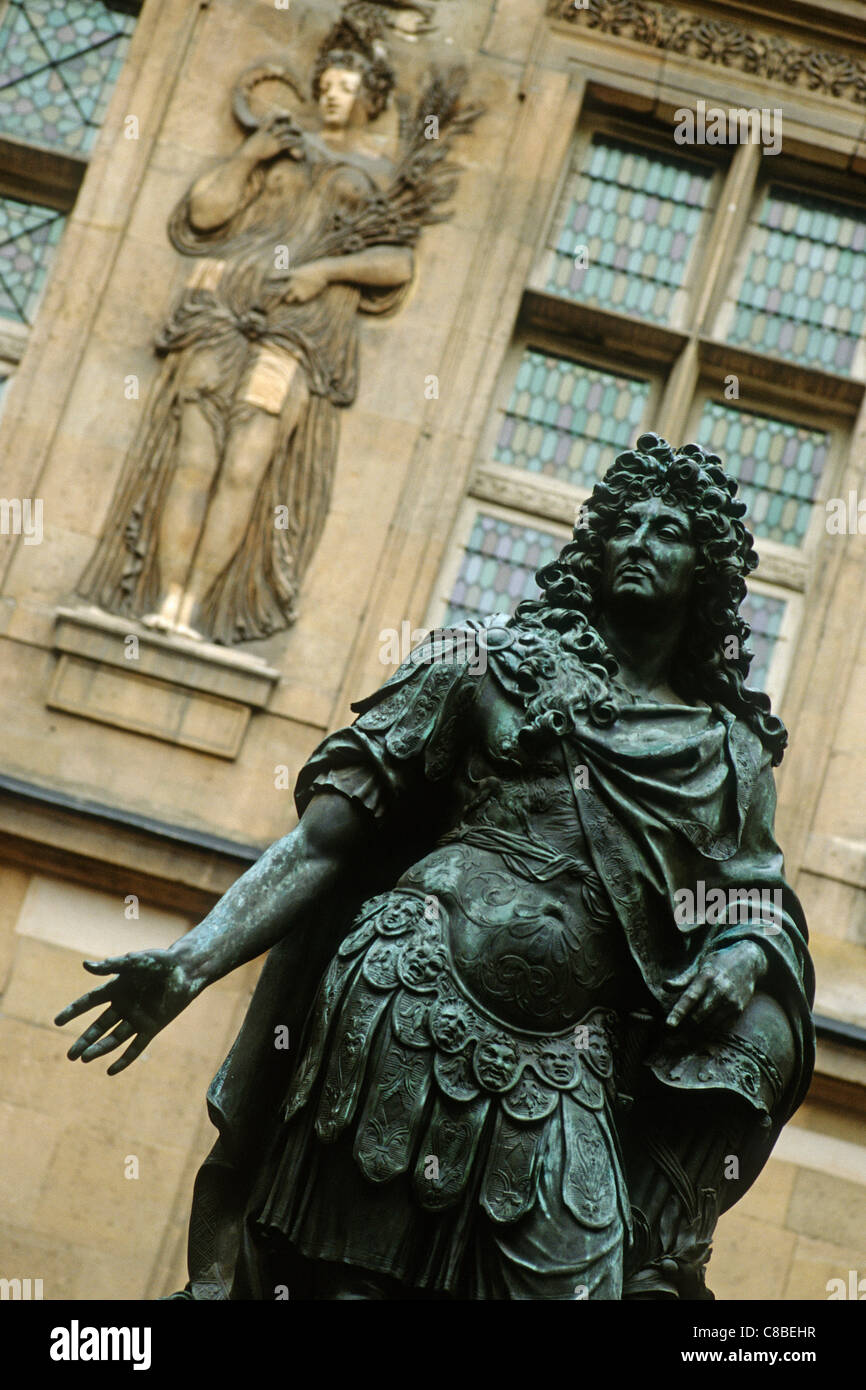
(521,1065)
(224,496)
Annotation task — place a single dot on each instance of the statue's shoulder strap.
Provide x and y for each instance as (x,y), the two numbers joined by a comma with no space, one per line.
(425,703)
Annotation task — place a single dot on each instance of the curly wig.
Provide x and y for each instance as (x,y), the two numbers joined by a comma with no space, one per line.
(695,480)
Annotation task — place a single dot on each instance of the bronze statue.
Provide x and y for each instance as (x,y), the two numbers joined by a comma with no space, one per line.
(530,1070)
(225,493)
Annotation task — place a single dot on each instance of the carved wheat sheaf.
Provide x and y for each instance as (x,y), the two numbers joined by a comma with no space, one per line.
(722,43)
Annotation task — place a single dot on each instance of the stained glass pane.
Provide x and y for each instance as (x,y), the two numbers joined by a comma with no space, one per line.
(778,465)
(28,235)
(636,213)
(803,295)
(567,420)
(764,614)
(58,64)
(498,567)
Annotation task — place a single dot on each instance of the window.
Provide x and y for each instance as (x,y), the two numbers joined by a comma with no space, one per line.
(803,292)
(566,419)
(29,233)
(637,212)
(696,295)
(778,465)
(58,65)
(497,566)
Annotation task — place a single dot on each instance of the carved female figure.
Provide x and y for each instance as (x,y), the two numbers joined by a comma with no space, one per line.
(228,485)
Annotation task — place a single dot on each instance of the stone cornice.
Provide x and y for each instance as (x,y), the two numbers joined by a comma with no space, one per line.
(724,43)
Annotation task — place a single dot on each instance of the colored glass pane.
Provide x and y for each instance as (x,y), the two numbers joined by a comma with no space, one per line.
(498,567)
(625,228)
(764,614)
(28,235)
(803,294)
(567,420)
(58,64)
(778,466)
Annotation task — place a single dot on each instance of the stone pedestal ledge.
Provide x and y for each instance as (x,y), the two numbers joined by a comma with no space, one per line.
(115,671)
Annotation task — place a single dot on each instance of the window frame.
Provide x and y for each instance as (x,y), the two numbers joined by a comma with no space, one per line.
(609,339)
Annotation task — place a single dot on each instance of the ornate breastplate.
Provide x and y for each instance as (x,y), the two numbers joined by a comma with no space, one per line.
(400,1052)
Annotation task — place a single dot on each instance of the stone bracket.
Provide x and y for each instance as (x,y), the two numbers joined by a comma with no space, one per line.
(114,671)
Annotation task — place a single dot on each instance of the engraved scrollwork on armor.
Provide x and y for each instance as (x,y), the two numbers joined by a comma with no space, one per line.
(455,1077)
(357,939)
(588,1186)
(380,965)
(731,1064)
(511,1177)
(384,1141)
(409,1019)
(529,1099)
(453,1136)
(344,1074)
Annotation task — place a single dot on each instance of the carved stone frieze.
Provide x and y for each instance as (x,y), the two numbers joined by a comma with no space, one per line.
(723,43)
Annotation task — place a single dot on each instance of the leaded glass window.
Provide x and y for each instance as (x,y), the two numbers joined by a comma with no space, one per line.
(778,465)
(803,294)
(28,235)
(637,213)
(568,420)
(58,64)
(764,614)
(498,567)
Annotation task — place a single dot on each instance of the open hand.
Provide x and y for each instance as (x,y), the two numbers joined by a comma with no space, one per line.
(151,988)
(722,987)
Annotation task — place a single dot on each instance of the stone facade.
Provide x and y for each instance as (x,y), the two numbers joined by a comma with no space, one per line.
(132,792)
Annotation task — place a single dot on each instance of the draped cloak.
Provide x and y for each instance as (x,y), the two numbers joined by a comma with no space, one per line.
(668,796)
(229,316)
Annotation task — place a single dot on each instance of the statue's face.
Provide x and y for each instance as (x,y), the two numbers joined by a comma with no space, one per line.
(339,89)
(650,556)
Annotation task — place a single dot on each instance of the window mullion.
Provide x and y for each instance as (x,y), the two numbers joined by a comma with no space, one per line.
(675,404)
(726,234)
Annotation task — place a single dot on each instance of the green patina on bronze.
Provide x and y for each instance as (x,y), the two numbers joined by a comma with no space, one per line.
(517,1071)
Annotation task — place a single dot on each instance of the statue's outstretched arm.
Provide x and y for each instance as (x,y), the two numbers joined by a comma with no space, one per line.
(283,892)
